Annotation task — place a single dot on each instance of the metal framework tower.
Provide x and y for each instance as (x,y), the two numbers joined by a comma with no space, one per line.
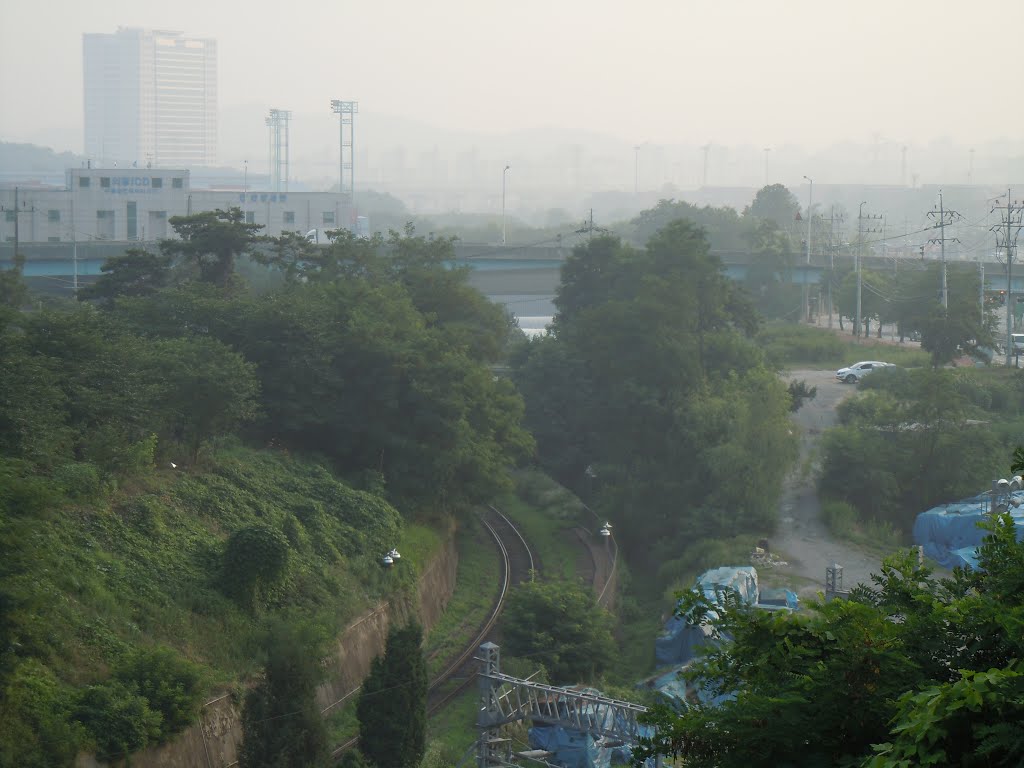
(278,121)
(505,699)
(346,112)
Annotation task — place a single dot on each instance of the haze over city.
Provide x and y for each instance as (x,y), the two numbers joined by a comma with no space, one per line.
(567,92)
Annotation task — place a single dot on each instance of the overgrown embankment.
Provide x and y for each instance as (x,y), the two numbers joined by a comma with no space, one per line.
(191,566)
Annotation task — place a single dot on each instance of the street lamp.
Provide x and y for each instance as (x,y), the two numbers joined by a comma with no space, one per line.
(810,206)
(504,174)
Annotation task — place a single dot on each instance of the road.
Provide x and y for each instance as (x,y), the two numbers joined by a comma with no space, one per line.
(802,538)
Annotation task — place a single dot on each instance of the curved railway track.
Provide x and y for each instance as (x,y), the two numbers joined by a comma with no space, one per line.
(518,565)
(605,595)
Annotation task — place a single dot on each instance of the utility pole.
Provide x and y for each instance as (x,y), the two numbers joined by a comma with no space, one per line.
(636,169)
(18,210)
(862,230)
(588,227)
(981,290)
(832,247)
(504,173)
(807,290)
(1006,236)
(943,217)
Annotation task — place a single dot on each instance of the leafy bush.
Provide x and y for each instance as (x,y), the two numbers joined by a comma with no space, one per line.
(78,480)
(840,517)
(783,344)
(117,718)
(560,626)
(34,707)
(255,560)
(171,685)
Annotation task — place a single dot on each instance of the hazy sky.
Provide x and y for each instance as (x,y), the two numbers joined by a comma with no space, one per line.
(765,72)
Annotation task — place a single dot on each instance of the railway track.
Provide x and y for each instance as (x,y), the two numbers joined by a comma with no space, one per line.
(518,565)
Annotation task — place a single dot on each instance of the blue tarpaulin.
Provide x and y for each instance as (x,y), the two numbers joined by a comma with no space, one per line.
(950,534)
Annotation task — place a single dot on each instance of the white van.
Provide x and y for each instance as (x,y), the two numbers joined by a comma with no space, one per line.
(1017,340)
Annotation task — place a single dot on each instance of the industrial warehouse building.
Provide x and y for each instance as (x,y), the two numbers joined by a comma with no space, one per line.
(134,204)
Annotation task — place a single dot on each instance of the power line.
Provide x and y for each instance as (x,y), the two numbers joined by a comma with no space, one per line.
(942,217)
(1006,236)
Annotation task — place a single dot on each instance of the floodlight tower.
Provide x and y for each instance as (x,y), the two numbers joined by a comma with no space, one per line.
(346,112)
(278,122)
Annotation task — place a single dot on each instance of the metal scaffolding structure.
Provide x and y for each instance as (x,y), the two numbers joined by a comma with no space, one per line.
(277,122)
(505,699)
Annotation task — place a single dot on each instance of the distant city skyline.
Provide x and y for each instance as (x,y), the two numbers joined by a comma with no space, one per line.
(661,71)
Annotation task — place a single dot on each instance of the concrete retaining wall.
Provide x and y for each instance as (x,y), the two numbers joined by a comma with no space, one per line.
(214,741)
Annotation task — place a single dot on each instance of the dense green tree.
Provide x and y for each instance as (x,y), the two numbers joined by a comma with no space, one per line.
(769,274)
(724,227)
(137,272)
(392,706)
(560,626)
(13,290)
(209,389)
(211,242)
(774,203)
(649,380)
(281,722)
(905,426)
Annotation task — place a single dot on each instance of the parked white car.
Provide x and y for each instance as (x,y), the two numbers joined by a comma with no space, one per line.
(854,373)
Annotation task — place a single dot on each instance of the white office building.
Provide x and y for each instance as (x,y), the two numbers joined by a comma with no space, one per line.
(135,205)
(150,99)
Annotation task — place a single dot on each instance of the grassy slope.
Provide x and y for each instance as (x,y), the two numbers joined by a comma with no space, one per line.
(143,565)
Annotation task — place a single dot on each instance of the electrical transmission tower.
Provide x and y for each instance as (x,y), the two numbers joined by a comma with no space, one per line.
(278,121)
(866,225)
(1007,230)
(942,218)
(346,112)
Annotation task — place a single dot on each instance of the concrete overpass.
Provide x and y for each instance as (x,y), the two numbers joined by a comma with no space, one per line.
(515,275)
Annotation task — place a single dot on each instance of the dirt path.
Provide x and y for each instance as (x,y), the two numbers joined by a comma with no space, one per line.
(802,539)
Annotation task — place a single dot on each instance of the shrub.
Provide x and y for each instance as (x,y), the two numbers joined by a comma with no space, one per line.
(79,480)
(35,732)
(171,685)
(840,517)
(255,561)
(117,718)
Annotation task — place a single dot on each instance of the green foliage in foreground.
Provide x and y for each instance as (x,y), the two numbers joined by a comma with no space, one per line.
(558,625)
(913,671)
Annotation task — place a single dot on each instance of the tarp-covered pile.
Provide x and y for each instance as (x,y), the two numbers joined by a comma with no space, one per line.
(679,641)
(950,534)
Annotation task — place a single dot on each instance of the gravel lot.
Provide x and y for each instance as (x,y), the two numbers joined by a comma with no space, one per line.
(802,539)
